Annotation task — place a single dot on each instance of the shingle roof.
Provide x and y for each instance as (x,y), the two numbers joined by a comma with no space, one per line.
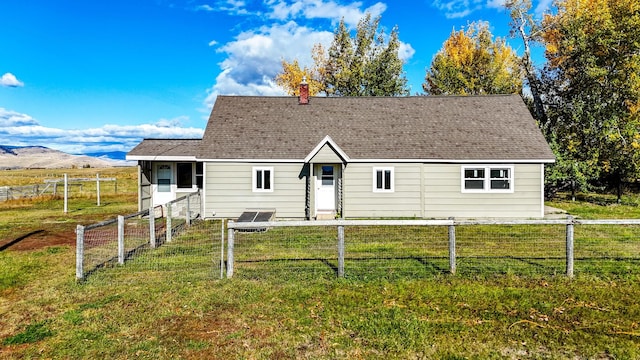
(497,127)
(165,148)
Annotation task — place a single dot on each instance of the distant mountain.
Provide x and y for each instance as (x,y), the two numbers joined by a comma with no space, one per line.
(20,157)
(9,149)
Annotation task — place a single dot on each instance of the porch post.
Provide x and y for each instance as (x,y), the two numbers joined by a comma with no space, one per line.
(139,186)
(340,191)
(307,204)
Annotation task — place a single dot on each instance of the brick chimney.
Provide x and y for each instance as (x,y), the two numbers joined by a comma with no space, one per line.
(303,99)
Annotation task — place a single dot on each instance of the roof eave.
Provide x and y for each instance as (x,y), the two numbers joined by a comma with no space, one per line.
(426,161)
(160,158)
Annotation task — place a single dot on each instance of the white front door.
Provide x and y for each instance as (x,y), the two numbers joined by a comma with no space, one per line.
(325,188)
(163,192)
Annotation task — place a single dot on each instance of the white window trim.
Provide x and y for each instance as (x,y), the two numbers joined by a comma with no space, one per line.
(253,178)
(375,175)
(487,179)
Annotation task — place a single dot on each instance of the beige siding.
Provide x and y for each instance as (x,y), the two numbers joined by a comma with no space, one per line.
(326,155)
(420,190)
(361,201)
(444,198)
(228,189)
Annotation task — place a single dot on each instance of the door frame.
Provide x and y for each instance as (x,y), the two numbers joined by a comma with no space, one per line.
(317,178)
(162,197)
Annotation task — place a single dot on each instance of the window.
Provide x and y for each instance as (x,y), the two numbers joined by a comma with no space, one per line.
(383,179)
(164,178)
(327,175)
(262,179)
(199,175)
(500,179)
(487,179)
(185,175)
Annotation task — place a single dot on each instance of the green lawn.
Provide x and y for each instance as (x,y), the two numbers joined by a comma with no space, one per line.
(394,302)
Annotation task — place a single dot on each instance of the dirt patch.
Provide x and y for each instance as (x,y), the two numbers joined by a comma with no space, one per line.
(37,240)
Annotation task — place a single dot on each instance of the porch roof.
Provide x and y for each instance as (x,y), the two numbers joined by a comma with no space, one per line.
(165,149)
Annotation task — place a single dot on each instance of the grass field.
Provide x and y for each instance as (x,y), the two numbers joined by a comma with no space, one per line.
(155,313)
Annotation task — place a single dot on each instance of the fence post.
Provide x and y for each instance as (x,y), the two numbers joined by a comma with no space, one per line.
(98,188)
(189,210)
(169,232)
(230,241)
(340,251)
(66,193)
(152,228)
(452,248)
(570,246)
(120,239)
(79,252)
(222,250)
(201,209)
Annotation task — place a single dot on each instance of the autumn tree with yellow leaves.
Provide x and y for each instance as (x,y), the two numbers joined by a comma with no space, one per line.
(292,75)
(593,98)
(472,62)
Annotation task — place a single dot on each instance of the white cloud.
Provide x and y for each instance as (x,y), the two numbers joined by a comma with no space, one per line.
(205,7)
(495,4)
(228,85)
(9,80)
(21,130)
(10,118)
(254,58)
(454,9)
(462,8)
(235,7)
(175,122)
(319,9)
(406,51)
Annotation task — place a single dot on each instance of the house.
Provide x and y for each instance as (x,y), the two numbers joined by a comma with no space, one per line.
(356,157)
(167,170)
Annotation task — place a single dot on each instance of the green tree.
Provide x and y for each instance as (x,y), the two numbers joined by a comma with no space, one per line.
(471,62)
(365,65)
(593,62)
(383,75)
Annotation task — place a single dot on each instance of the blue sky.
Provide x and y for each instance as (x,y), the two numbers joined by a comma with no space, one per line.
(93,76)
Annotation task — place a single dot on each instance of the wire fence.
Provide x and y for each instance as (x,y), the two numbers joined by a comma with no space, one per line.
(190,257)
(60,187)
(125,238)
(26,191)
(396,249)
(369,249)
